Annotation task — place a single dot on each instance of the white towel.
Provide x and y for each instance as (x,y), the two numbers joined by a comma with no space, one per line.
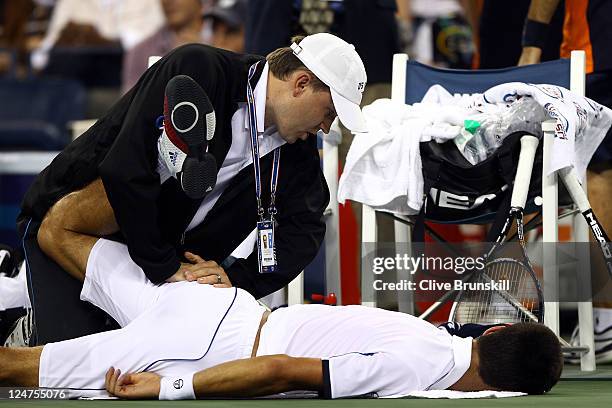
(449,394)
(383,167)
(581,122)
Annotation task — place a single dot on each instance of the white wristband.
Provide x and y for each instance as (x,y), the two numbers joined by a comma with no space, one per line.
(177,387)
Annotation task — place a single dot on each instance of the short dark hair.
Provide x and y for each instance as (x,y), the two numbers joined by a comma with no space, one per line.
(524,357)
(283,63)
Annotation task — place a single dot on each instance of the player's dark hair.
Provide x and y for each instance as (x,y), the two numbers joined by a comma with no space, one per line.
(524,357)
(283,63)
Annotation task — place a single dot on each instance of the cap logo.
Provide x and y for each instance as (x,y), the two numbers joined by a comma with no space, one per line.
(361,86)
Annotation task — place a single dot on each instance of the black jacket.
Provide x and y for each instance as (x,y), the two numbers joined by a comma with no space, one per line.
(121,148)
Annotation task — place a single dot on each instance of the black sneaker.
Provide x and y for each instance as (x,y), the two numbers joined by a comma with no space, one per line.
(189,124)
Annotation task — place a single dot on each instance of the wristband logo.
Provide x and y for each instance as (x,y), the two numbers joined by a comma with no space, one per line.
(178,384)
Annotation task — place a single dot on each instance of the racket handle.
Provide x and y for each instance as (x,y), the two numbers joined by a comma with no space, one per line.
(570,179)
(529,145)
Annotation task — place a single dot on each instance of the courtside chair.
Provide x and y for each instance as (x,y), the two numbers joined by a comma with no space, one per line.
(410,81)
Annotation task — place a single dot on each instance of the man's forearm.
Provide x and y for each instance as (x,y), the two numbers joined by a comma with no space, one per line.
(534,32)
(72,226)
(259,376)
(542,10)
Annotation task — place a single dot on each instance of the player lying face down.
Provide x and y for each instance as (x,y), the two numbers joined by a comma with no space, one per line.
(524,357)
(186,340)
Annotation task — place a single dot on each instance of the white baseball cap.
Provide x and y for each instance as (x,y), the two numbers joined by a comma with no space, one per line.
(336,63)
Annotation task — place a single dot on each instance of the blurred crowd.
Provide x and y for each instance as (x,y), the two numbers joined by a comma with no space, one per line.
(104,46)
(76,58)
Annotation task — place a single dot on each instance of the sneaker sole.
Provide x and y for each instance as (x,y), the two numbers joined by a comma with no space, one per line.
(189,117)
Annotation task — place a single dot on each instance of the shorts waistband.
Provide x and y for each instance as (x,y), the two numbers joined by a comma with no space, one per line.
(249,331)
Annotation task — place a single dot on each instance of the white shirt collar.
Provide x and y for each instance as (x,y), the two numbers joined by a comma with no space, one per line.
(260,93)
(462,356)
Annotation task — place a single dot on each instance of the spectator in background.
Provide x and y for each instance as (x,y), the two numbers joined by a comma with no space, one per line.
(587,27)
(228,18)
(184,24)
(486,18)
(369,25)
(442,34)
(82,22)
(22,27)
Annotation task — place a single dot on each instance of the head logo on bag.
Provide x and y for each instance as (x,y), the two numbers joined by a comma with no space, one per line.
(446,199)
(459,192)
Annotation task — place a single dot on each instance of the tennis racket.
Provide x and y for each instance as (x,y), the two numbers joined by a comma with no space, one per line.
(570,179)
(506,290)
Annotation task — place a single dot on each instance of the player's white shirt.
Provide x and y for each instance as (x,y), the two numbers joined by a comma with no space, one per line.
(183,327)
(368,350)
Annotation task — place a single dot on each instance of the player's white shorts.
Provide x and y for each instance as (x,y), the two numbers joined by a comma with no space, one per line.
(167,329)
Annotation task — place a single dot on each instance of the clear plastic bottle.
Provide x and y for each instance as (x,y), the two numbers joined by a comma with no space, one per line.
(485,140)
(524,114)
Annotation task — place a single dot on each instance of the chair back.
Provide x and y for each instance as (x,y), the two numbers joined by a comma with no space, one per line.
(420,77)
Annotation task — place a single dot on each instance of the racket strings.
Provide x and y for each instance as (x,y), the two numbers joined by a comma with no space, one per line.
(515,299)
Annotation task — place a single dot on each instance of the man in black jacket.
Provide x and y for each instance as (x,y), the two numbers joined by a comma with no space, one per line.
(110,181)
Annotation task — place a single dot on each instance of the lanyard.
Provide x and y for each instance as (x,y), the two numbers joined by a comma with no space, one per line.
(255,153)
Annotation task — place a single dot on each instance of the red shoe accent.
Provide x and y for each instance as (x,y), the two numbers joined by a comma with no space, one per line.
(170,129)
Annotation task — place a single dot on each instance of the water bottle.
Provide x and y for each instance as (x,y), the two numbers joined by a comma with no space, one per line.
(524,114)
(490,130)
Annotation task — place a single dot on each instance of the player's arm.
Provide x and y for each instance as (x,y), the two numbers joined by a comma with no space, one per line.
(534,33)
(250,377)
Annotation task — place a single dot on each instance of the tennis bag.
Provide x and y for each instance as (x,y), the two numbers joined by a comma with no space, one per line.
(458,192)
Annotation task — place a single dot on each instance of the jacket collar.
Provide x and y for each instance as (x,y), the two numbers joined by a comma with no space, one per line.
(239,92)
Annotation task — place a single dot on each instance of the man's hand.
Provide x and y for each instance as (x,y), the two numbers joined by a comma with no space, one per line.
(132,386)
(530,55)
(206,272)
(180,274)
